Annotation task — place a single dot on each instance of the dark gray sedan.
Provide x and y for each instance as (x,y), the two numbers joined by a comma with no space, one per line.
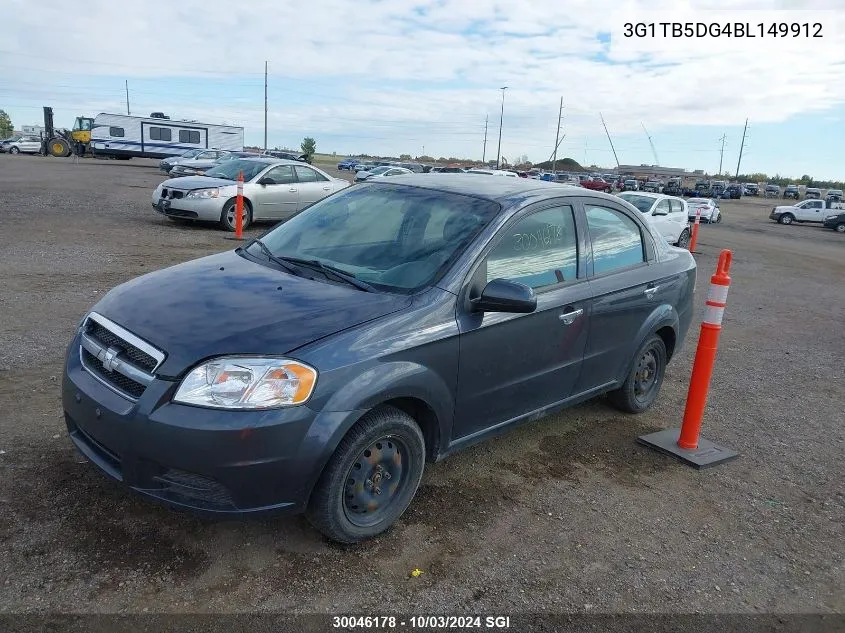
(318,368)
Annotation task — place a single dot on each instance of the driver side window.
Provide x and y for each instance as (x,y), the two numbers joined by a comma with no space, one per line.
(281,175)
(539,250)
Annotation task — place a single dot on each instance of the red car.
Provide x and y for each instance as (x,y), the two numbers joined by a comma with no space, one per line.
(597,184)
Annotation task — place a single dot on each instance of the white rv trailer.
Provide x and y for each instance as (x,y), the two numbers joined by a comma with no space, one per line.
(125,136)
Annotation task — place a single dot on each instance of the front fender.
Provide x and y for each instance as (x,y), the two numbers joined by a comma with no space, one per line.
(377,384)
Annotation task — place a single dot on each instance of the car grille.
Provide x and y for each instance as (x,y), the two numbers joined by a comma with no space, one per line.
(131,361)
(195,487)
(172,194)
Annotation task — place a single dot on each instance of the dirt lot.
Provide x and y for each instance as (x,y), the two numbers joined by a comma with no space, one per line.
(566,514)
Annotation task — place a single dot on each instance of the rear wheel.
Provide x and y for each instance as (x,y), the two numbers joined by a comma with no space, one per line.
(786,218)
(718,218)
(227,218)
(371,478)
(840,228)
(683,240)
(640,389)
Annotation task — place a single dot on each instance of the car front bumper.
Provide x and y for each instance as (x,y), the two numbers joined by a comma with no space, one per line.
(775,215)
(208,209)
(207,460)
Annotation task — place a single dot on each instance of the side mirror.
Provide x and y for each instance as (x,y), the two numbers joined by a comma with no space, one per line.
(502,295)
(266,181)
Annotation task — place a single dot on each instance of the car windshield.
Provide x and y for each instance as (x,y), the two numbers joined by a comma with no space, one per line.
(643,203)
(630,182)
(834,192)
(229,170)
(393,237)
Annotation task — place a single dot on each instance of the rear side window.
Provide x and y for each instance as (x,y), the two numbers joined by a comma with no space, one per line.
(616,238)
(160,134)
(117,132)
(306,174)
(677,206)
(539,250)
(189,136)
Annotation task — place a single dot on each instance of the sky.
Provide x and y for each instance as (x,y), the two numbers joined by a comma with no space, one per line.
(391,77)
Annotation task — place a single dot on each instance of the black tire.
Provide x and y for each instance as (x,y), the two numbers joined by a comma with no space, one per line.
(718,218)
(840,228)
(227,217)
(58,147)
(14,150)
(683,239)
(786,218)
(336,506)
(642,385)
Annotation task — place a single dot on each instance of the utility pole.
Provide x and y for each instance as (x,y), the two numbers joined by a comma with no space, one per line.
(265,106)
(608,138)
(742,145)
(127,97)
(484,151)
(501,118)
(557,135)
(722,153)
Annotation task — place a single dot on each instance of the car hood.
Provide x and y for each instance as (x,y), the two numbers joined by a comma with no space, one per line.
(197,182)
(226,304)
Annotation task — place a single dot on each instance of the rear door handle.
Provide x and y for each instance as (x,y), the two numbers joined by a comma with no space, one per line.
(569,317)
(649,292)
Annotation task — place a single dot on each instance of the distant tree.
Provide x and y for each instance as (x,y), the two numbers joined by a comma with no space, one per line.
(425,159)
(308,147)
(404,157)
(6,127)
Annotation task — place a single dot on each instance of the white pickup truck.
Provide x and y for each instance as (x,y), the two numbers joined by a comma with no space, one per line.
(805,211)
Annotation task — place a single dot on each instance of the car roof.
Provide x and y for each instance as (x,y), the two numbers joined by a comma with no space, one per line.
(496,189)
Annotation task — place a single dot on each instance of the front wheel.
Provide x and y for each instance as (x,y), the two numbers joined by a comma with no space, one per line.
(14,150)
(840,228)
(227,217)
(640,389)
(371,478)
(683,240)
(786,218)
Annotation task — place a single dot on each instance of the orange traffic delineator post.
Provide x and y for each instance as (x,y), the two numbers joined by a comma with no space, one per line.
(685,443)
(693,240)
(239,209)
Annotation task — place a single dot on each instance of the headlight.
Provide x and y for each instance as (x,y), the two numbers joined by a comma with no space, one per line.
(204,193)
(247,383)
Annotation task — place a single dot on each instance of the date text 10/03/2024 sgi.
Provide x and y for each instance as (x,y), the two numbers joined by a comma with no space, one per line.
(722,29)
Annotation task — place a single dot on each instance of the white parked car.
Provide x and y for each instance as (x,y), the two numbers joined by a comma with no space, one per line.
(24,145)
(493,172)
(274,189)
(806,211)
(381,172)
(668,213)
(710,211)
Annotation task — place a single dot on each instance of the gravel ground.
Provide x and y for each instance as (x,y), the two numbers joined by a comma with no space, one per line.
(568,514)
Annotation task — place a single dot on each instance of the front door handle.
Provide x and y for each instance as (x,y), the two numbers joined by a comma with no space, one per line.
(568,318)
(292,189)
(649,292)
(327,188)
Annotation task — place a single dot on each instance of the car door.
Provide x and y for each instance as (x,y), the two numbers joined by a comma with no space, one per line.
(679,217)
(623,292)
(278,198)
(31,144)
(811,211)
(313,185)
(514,364)
(661,215)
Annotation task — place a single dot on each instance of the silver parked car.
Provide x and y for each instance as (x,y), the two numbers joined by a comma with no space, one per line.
(381,172)
(197,165)
(166,164)
(23,145)
(274,189)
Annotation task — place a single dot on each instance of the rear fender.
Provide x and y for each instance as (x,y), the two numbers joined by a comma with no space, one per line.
(662,316)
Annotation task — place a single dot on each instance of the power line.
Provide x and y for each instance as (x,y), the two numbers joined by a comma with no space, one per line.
(608,139)
(742,145)
(557,135)
(722,153)
(484,151)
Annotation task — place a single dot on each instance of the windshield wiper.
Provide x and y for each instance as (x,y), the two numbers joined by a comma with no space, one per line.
(276,260)
(328,270)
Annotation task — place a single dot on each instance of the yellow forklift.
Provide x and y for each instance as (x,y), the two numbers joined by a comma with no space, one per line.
(61,142)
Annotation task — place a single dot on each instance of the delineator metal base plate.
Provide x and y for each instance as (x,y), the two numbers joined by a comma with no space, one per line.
(706,455)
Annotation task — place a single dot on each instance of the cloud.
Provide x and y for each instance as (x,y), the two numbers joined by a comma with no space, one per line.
(428,71)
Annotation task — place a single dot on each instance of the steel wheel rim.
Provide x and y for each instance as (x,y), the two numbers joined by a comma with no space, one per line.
(787,219)
(684,241)
(840,228)
(645,378)
(374,482)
